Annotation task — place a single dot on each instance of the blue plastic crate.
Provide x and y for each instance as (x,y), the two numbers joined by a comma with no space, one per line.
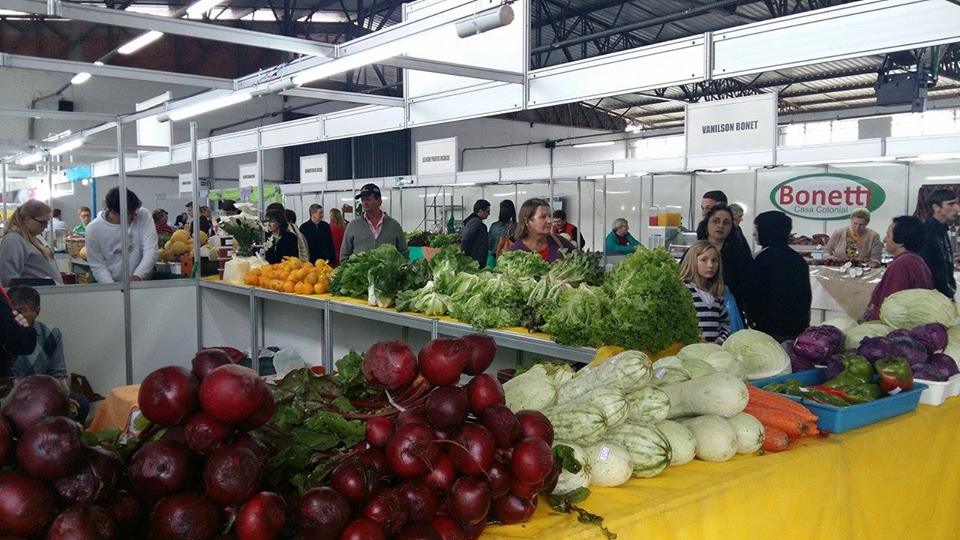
(806,378)
(839,419)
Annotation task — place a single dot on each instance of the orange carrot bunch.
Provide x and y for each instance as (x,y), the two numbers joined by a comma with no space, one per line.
(783,419)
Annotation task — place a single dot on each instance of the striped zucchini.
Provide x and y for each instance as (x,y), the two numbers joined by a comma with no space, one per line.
(626,371)
(611,402)
(648,405)
(649,449)
(580,423)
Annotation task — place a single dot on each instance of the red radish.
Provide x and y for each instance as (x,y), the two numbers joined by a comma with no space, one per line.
(511,509)
(473,453)
(532,461)
(484,392)
(411,450)
(185,516)
(446,407)
(442,476)
(230,475)
(245,440)
(125,510)
(503,425)
(203,434)
(363,529)
(353,481)
(208,360)
(525,491)
(235,355)
(262,517)
(52,448)
(83,522)
(535,424)
(375,462)
(161,468)
(232,393)
(411,416)
(469,500)
(34,398)
(482,350)
(447,528)
(94,482)
(322,513)
(417,531)
(390,365)
(442,360)
(387,510)
(378,430)
(168,395)
(262,415)
(6,440)
(27,505)
(420,500)
(174,433)
(500,479)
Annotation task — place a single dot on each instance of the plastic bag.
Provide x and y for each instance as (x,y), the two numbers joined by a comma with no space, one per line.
(285,361)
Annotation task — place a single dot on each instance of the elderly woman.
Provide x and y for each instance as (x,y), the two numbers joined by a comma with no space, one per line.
(24,254)
(620,241)
(856,242)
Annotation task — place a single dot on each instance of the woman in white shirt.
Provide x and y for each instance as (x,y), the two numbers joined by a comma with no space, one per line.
(104,243)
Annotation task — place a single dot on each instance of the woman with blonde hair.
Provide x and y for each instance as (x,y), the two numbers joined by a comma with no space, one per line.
(856,242)
(338,226)
(24,254)
(535,232)
(702,273)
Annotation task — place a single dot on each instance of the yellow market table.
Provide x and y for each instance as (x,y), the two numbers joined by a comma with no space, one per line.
(897,479)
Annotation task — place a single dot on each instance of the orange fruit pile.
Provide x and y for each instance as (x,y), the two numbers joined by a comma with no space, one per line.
(292,276)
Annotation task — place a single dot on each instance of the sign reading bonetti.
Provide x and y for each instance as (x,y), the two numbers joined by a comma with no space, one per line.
(826,196)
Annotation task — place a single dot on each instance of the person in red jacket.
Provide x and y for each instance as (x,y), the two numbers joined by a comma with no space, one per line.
(565,229)
(904,240)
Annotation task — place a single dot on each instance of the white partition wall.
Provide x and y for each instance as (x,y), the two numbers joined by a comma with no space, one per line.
(163,322)
(293,326)
(225,319)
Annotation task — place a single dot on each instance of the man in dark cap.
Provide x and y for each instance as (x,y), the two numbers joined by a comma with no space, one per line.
(373,227)
(474,238)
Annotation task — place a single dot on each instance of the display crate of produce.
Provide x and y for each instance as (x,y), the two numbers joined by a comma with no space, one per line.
(938,391)
(806,378)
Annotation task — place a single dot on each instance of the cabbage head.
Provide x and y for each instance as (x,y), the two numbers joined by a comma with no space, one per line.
(843,323)
(760,354)
(913,307)
(856,334)
(698,351)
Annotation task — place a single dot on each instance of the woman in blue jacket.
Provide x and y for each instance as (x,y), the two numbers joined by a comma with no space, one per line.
(620,241)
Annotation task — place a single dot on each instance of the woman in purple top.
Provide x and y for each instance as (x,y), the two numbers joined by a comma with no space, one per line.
(535,234)
(908,270)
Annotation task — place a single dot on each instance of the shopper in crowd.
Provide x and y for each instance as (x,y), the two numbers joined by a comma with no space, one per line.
(228,207)
(205,222)
(503,229)
(85,216)
(57,222)
(780,303)
(160,222)
(17,336)
(338,226)
(104,241)
(318,236)
(535,232)
(620,241)
(937,249)
(182,219)
(904,240)
(281,242)
(856,242)
(737,212)
(718,228)
(565,229)
(701,271)
(474,238)
(24,253)
(711,199)
(373,228)
(347,211)
(303,252)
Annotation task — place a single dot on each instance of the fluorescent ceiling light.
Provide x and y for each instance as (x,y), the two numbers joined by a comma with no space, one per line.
(594,144)
(865,161)
(201,7)
(208,105)
(946,177)
(140,42)
(347,63)
(67,146)
(30,159)
(58,136)
(80,78)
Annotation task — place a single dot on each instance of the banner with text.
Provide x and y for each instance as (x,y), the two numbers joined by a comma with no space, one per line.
(438,156)
(248,175)
(186,183)
(826,196)
(313,168)
(740,131)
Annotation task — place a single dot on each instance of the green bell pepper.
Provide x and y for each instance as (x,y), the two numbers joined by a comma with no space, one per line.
(895,375)
(856,370)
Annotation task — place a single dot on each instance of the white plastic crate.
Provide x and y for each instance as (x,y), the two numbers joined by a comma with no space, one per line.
(937,392)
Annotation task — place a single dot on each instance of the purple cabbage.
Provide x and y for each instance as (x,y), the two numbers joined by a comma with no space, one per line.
(874,348)
(796,363)
(817,343)
(909,349)
(899,332)
(944,364)
(933,336)
(834,366)
(928,372)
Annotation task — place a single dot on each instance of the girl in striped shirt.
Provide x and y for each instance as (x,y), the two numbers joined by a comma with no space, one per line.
(701,272)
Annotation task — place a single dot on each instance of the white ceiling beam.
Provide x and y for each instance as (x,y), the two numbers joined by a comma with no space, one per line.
(168,25)
(56,115)
(117,72)
(347,97)
(449,68)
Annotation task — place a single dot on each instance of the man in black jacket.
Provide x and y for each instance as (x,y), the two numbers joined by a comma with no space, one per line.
(316,232)
(937,249)
(474,238)
(781,295)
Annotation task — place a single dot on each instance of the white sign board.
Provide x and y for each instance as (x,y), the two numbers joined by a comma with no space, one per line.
(248,175)
(313,168)
(150,131)
(438,156)
(186,183)
(741,131)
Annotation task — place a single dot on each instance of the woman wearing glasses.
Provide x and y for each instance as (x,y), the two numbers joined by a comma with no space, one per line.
(24,254)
